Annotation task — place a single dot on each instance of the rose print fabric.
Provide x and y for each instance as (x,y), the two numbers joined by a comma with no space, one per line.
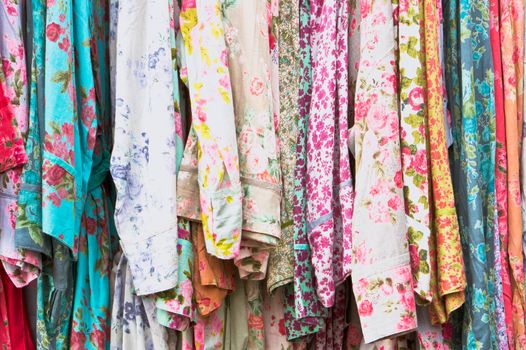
(91,311)
(143,163)
(29,234)
(381,273)
(471,98)
(70,124)
(227,326)
(240,213)
(255,315)
(12,152)
(414,144)
(13,85)
(249,73)
(249,67)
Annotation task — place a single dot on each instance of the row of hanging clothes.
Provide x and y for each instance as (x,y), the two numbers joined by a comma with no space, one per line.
(262,174)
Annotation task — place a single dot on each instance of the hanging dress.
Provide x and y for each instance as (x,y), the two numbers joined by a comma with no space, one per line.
(471,97)
(281,260)
(448,279)
(209,188)
(414,143)
(512,51)
(329,191)
(303,311)
(20,265)
(133,318)
(143,160)
(502,271)
(381,269)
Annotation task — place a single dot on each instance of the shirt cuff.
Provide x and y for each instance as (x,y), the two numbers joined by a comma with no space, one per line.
(153,261)
(386,303)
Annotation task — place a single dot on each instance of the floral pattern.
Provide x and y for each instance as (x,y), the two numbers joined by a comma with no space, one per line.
(471,98)
(381,269)
(175,308)
(144,151)
(29,234)
(255,316)
(512,50)
(20,265)
(213,279)
(228,123)
(304,313)
(249,65)
(275,330)
(133,321)
(281,260)
(329,191)
(209,178)
(413,142)
(448,279)
(502,276)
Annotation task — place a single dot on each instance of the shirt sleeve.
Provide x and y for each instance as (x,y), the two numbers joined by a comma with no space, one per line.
(211,155)
(381,271)
(143,163)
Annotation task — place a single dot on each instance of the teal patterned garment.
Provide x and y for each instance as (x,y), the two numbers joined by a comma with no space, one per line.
(28,234)
(55,285)
(91,311)
(471,101)
(76,209)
